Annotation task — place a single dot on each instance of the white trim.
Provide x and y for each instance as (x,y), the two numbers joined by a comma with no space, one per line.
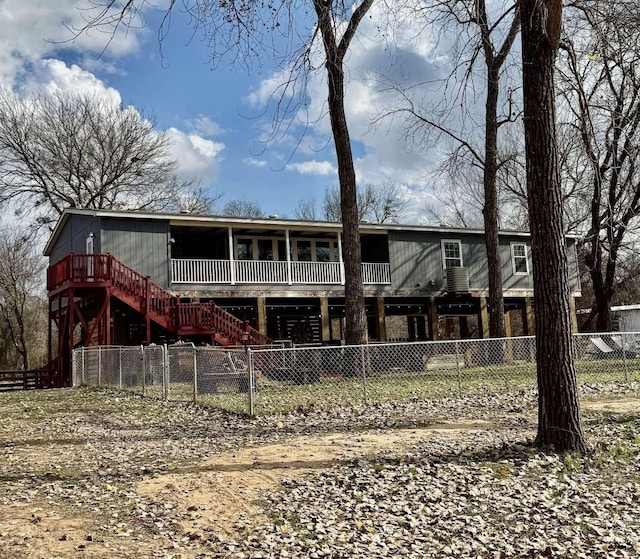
(231,258)
(287,243)
(444,259)
(178,219)
(513,258)
(340,260)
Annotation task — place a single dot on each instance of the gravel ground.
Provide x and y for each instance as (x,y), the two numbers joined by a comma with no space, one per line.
(72,463)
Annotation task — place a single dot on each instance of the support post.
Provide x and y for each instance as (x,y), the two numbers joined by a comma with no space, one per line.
(324,319)
(574,316)
(432,317)
(483,317)
(340,259)
(381,323)
(528,318)
(287,244)
(262,315)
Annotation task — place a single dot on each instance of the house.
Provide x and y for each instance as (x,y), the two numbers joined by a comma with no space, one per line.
(125,278)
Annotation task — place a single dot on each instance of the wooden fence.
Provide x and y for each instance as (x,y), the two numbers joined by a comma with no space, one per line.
(23,380)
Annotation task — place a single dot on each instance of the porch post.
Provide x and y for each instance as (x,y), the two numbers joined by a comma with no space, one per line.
(483,317)
(574,316)
(262,315)
(287,242)
(324,319)
(340,258)
(528,318)
(232,264)
(508,333)
(381,319)
(432,317)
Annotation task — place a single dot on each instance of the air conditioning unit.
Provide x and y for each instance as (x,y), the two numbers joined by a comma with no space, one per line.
(457,280)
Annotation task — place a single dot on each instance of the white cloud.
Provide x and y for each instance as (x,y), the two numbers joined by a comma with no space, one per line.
(322,168)
(54,75)
(255,162)
(198,158)
(381,154)
(206,126)
(34,29)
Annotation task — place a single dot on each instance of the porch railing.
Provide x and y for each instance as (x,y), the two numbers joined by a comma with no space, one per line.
(202,271)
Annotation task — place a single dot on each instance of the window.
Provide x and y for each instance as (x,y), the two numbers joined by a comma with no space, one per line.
(244,249)
(304,251)
(282,250)
(451,253)
(323,251)
(519,259)
(265,249)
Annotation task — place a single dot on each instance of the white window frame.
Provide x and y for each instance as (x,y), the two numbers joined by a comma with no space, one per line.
(294,247)
(442,250)
(254,246)
(314,254)
(514,257)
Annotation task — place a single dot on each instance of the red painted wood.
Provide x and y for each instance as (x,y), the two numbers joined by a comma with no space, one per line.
(103,271)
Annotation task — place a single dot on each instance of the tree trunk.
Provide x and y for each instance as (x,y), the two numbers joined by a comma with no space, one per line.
(355,318)
(490,211)
(602,295)
(559,424)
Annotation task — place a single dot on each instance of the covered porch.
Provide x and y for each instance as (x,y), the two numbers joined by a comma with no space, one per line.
(231,256)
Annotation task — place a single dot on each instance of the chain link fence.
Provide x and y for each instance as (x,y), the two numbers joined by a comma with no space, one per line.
(281,380)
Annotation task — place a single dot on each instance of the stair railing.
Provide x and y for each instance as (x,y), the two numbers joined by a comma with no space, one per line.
(86,268)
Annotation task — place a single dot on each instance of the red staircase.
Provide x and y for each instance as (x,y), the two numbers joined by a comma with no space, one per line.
(159,305)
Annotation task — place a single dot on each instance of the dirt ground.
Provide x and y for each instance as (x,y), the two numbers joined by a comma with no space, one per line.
(215,495)
(226,490)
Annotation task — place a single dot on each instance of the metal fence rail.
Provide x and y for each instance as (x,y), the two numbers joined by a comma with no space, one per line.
(274,380)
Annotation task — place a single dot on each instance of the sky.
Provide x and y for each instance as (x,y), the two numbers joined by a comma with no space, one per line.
(216,116)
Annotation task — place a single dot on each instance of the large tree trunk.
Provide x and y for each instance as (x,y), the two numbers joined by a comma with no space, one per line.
(355,318)
(559,424)
(490,211)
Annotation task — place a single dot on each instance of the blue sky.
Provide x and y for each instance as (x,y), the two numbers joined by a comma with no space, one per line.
(212,114)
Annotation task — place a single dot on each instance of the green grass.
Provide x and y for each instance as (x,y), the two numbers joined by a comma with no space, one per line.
(392,386)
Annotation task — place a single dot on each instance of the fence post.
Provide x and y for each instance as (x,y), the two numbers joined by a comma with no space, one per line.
(166,380)
(83,381)
(364,374)
(457,344)
(195,375)
(120,368)
(252,400)
(99,366)
(624,359)
(144,370)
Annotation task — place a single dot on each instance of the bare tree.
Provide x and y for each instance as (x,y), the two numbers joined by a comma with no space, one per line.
(480,36)
(22,309)
(378,204)
(559,424)
(62,150)
(248,30)
(600,94)
(242,208)
(306,210)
